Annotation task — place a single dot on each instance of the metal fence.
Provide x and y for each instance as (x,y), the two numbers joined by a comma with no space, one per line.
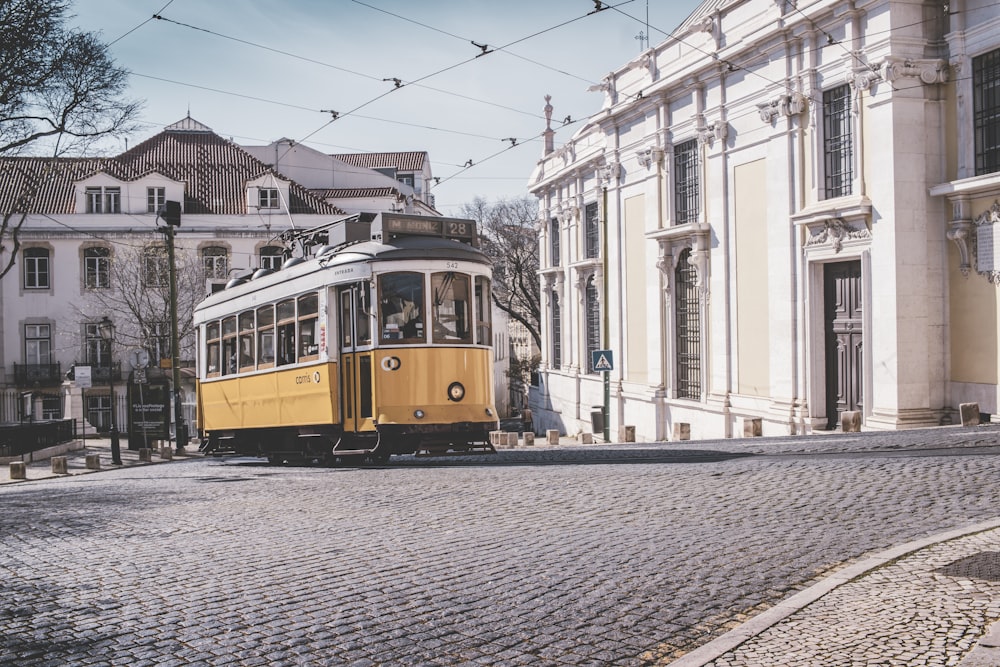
(20,439)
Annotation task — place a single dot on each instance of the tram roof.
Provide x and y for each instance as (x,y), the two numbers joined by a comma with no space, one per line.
(298,272)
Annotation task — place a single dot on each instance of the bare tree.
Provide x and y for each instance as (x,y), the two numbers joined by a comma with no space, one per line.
(59,92)
(137,298)
(508,235)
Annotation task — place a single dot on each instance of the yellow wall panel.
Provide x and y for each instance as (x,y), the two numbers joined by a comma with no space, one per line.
(753,344)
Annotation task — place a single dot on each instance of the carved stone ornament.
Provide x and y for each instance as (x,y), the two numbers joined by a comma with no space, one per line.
(929,71)
(609,172)
(862,78)
(717,131)
(835,231)
(783,105)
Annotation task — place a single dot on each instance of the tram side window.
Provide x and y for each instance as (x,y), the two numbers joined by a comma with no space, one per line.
(265,336)
(229,345)
(308,319)
(450,308)
(246,358)
(286,332)
(346,340)
(401,299)
(484,310)
(212,348)
(363,314)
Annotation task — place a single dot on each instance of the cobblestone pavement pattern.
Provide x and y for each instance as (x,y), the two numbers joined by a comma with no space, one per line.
(616,555)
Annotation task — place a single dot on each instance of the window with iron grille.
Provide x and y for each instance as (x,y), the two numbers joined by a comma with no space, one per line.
(986,105)
(556,332)
(838,144)
(686,190)
(554,240)
(688,320)
(592,231)
(215,259)
(97,268)
(36,268)
(593,316)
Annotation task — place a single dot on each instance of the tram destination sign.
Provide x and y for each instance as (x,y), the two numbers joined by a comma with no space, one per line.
(427,225)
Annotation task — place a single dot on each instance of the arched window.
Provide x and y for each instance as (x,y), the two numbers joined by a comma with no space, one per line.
(688,333)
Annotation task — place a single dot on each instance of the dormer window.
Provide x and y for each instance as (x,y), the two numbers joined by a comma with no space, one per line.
(155,198)
(104,199)
(268,198)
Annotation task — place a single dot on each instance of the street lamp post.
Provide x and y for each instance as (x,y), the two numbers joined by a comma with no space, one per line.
(106,328)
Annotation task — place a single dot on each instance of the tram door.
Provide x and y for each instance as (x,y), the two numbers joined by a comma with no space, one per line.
(356,388)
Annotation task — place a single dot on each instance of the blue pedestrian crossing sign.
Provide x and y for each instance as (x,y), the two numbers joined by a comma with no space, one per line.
(602,360)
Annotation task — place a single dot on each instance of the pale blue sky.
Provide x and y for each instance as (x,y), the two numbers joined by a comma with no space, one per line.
(256,95)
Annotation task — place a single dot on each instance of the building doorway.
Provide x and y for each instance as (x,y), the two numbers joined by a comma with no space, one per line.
(843,319)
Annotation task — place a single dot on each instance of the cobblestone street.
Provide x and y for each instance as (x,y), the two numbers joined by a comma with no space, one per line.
(603,555)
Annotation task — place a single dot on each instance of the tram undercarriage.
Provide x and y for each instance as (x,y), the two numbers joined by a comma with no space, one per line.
(331,446)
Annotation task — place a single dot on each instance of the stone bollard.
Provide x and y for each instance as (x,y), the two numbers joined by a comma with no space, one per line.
(18,470)
(552,436)
(626,434)
(850,421)
(166,453)
(512,440)
(682,431)
(529,439)
(59,465)
(145,454)
(753,427)
(586,438)
(93,461)
(969,413)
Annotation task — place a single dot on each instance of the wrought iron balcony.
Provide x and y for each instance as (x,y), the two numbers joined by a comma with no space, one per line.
(37,375)
(99,373)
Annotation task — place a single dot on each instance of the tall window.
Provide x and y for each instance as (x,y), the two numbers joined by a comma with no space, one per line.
(267,197)
(271,257)
(97,268)
(686,191)
(593,324)
(556,329)
(157,340)
(688,318)
(36,268)
(155,198)
(98,349)
(986,105)
(215,259)
(155,268)
(592,231)
(838,145)
(554,240)
(104,200)
(37,344)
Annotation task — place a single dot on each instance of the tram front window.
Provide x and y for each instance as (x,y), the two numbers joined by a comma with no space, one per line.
(401,300)
(450,313)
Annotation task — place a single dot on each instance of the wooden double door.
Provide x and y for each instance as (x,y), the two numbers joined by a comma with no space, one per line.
(844,323)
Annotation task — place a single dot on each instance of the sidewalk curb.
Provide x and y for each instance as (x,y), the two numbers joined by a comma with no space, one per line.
(720,646)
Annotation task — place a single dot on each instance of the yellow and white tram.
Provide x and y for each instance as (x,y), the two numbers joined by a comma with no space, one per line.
(367,349)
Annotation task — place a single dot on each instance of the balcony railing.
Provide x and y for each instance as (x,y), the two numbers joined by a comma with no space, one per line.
(37,375)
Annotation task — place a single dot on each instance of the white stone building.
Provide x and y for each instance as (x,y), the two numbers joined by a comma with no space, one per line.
(785,212)
(85,214)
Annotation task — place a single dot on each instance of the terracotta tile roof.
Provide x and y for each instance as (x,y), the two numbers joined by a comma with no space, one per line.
(350,193)
(410,161)
(214,170)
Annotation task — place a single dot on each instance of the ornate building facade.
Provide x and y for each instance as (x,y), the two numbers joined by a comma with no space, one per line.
(784,212)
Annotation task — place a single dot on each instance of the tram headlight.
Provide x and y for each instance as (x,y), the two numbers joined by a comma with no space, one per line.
(456,391)
(419,414)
